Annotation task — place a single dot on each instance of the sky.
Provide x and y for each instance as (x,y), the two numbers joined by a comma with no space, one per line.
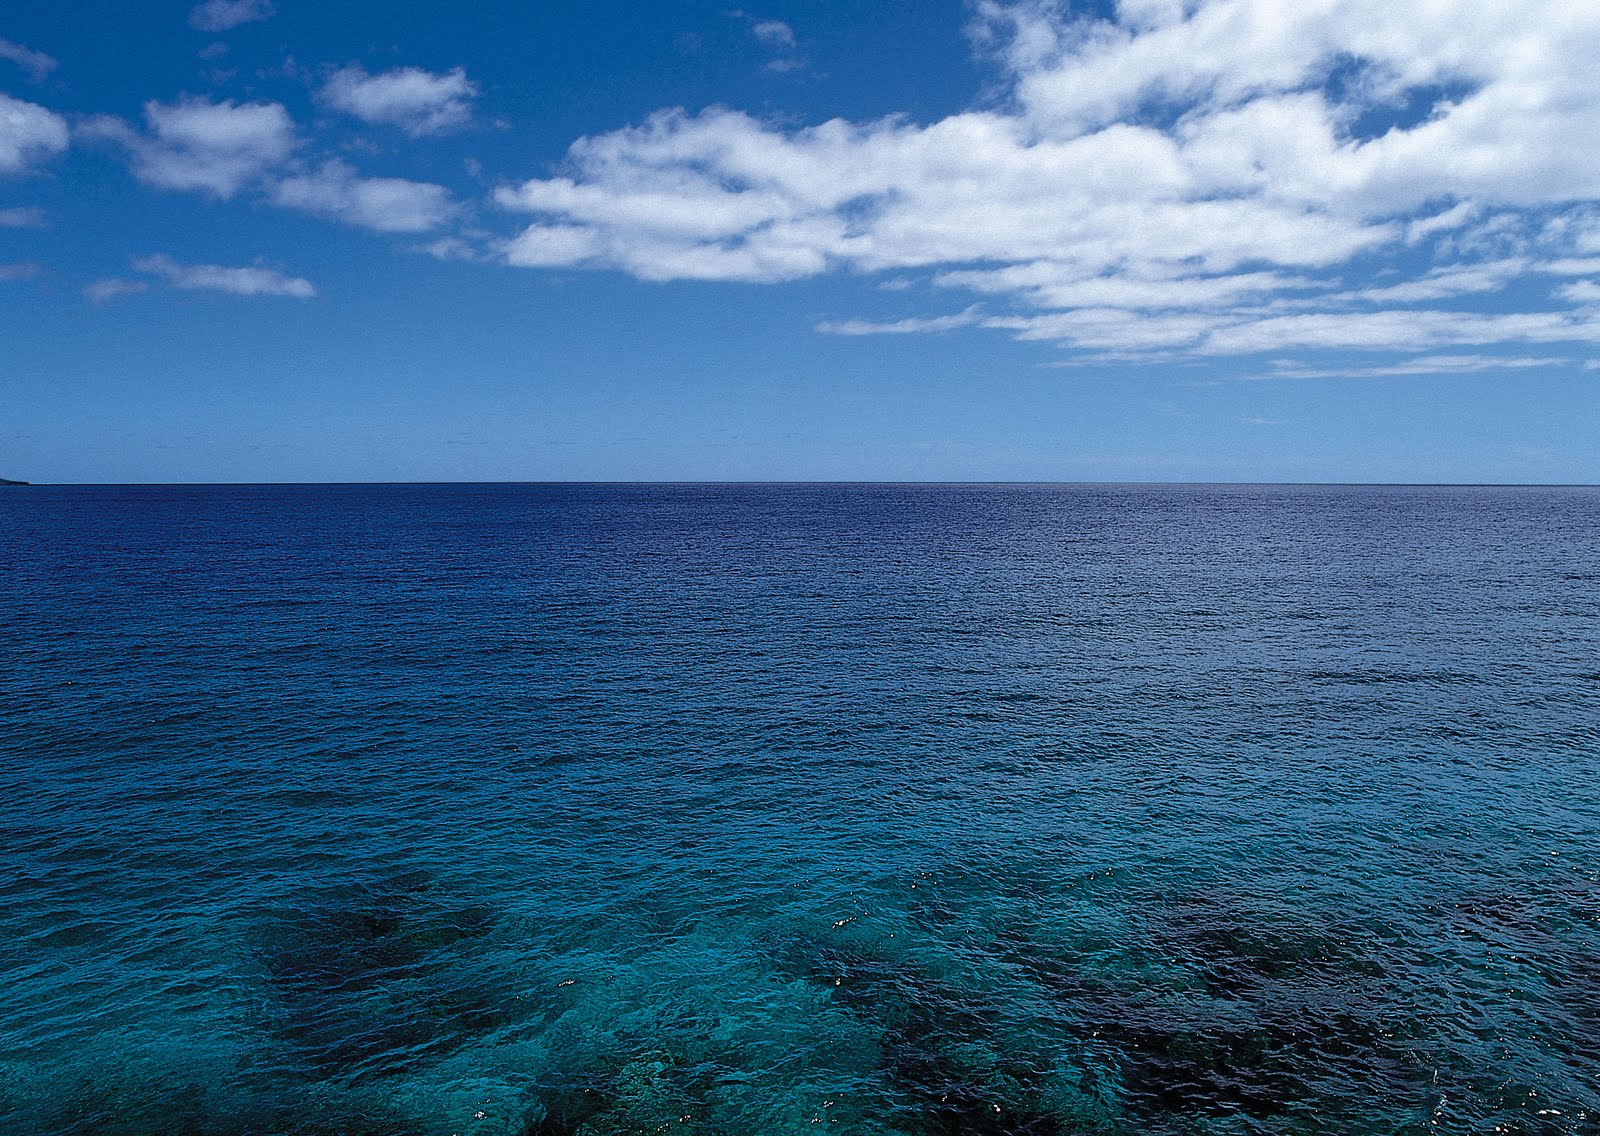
(1144,240)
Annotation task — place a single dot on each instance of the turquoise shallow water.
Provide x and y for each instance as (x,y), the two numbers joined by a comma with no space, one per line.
(561,810)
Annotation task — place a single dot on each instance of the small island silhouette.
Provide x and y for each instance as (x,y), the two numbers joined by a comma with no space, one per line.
(5,481)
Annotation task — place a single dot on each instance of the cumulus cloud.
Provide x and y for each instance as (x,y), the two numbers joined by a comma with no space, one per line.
(252,280)
(195,144)
(28,134)
(224,148)
(224,15)
(387,205)
(36,63)
(1213,177)
(419,102)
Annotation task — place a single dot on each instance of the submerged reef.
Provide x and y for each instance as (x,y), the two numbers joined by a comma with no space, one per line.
(1218,1018)
(375,979)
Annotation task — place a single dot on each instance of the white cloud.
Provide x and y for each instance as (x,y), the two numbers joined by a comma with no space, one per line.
(388,205)
(552,246)
(1424,365)
(110,288)
(36,63)
(1442,222)
(1444,283)
(22,217)
(908,326)
(223,15)
(223,148)
(451,248)
(247,281)
(774,33)
(1205,177)
(28,134)
(777,37)
(1404,330)
(26,270)
(1573,266)
(216,148)
(419,102)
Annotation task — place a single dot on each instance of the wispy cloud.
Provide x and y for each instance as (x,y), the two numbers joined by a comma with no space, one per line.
(776,36)
(774,33)
(420,102)
(252,280)
(109,288)
(1420,365)
(25,270)
(224,15)
(37,64)
(22,217)
(909,326)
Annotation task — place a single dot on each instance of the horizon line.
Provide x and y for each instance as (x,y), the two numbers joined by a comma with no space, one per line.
(819,482)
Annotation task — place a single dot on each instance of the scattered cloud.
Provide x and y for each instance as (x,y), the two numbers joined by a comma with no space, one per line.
(902,327)
(1573,266)
(253,280)
(26,270)
(777,37)
(36,63)
(109,288)
(222,148)
(28,134)
(420,102)
(1581,292)
(387,205)
(225,15)
(1419,365)
(1195,179)
(214,147)
(774,33)
(451,248)
(22,217)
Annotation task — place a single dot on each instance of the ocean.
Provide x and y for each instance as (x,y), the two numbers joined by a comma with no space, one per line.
(756,810)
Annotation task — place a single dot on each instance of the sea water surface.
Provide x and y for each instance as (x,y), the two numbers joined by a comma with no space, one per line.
(541,810)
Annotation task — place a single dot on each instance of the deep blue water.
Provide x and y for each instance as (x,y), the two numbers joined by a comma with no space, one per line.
(521,810)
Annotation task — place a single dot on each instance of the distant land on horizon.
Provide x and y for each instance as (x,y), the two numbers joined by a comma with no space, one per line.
(8,481)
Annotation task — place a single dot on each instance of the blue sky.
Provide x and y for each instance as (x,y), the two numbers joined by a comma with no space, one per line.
(1153,240)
